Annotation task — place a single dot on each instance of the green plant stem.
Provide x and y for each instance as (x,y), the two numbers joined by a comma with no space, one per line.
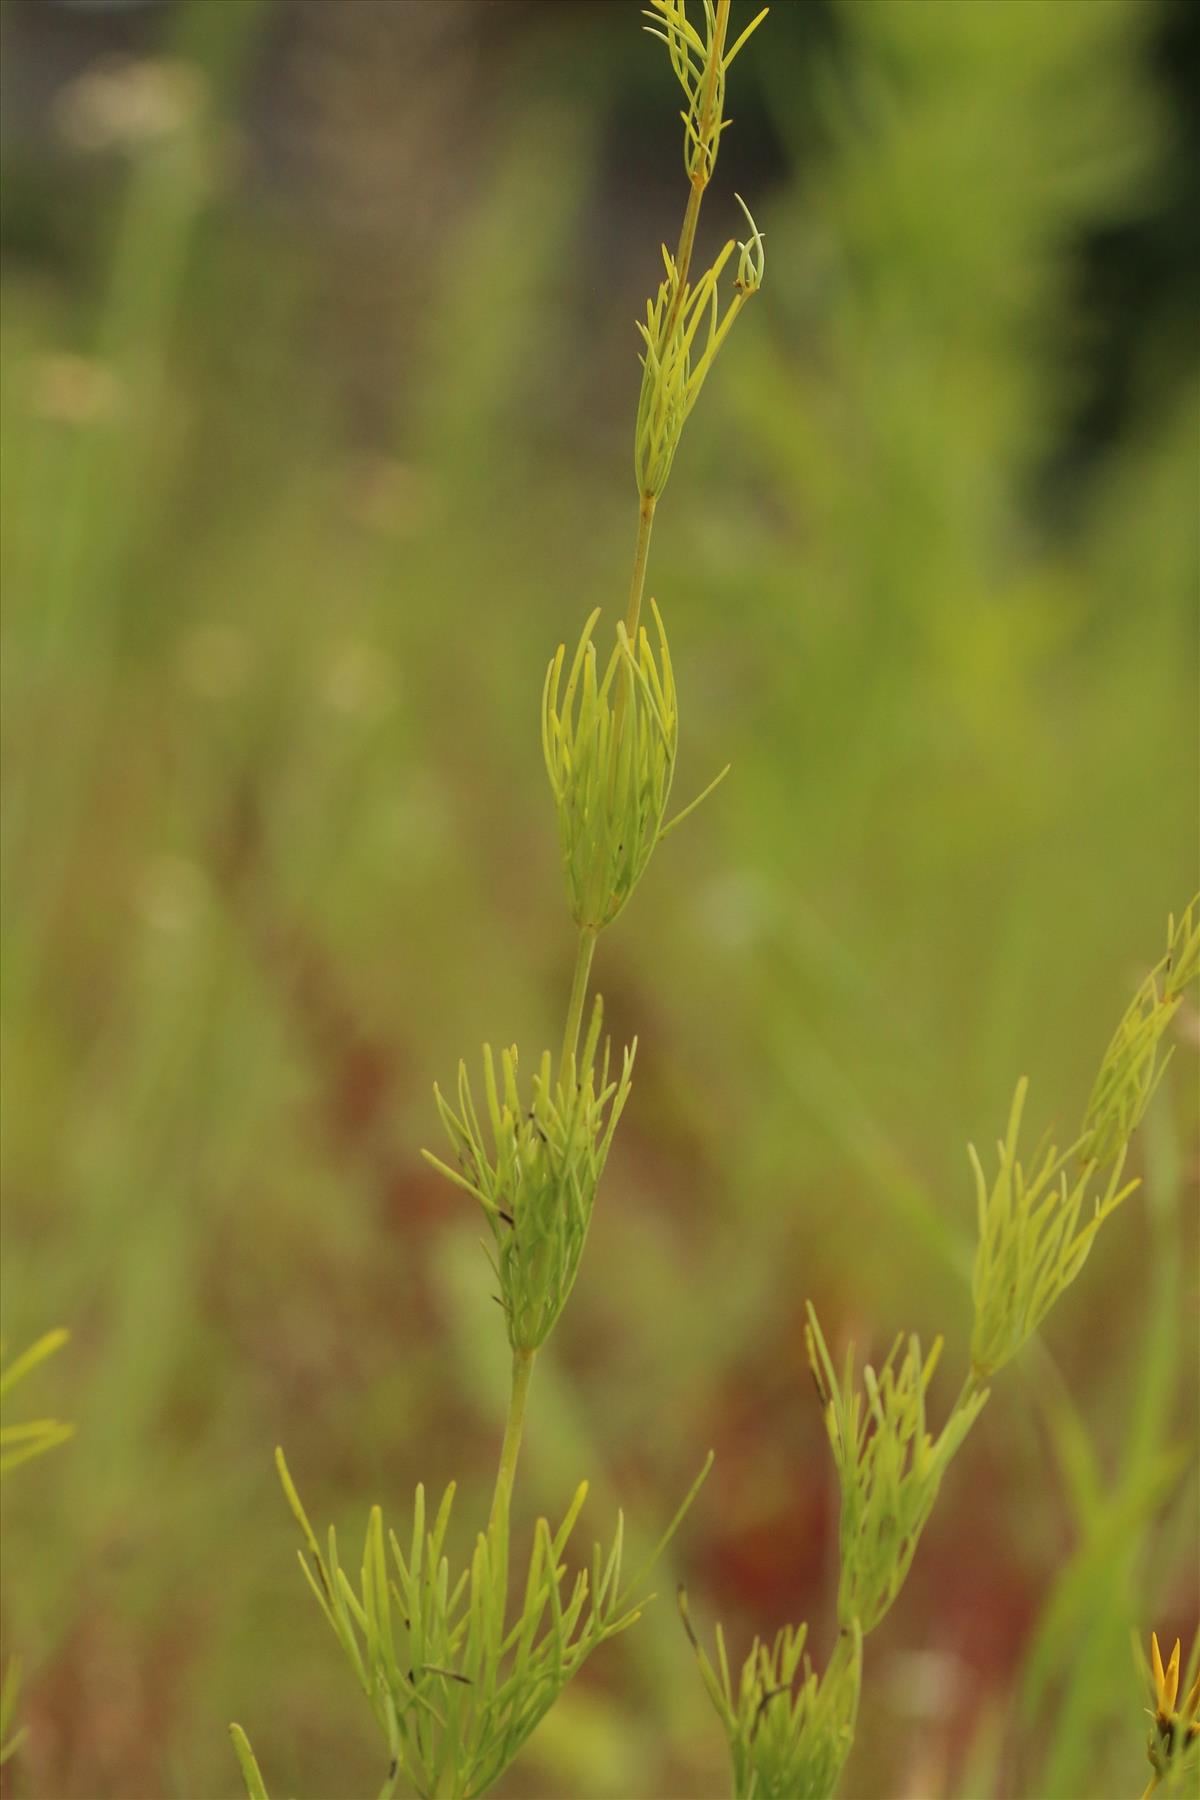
(683,255)
(579,985)
(641,553)
(1150,1787)
(637,584)
(522,1369)
(522,1365)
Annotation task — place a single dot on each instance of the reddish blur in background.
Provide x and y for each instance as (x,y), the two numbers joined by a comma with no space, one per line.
(319,372)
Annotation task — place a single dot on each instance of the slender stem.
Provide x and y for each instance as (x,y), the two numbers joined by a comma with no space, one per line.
(641,553)
(579,983)
(1152,1784)
(522,1369)
(522,1366)
(637,584)
(683,255)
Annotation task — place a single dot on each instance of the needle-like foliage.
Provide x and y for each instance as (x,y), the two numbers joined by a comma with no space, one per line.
(456,1675)
(889,1465)
(1132,1067)
(1032,1244)
(610,745)
(685,326)
(789,1729)
(536,1171)
(683,331)
(1037,1224)
(701,65)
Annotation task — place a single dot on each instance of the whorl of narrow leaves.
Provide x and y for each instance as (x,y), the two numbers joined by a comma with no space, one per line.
(535,1171)
(789,1730)
(1031,1242)
(683,332)
(610,745)
(684,326)
(701,65)
(1131,1069)
(889,1466)
(455,1674)
(1037,1225)
(457,1688)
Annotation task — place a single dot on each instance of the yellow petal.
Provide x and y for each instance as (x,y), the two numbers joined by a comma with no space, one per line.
(1156,1659)
(1171,1685)
(1192,1709)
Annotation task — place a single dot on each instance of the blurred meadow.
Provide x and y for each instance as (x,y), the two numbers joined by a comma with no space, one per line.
(318,380)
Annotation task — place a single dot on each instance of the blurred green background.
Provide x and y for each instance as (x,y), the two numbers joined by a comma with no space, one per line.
(319,375)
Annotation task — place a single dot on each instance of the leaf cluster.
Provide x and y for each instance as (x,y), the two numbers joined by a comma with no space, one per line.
(1036,1228)
(701,65)
(790,1730)
(1031,1242)
(536,1172)
(456,1677)
(889,1465)
(610,745)
(678,353)
(1131,1068)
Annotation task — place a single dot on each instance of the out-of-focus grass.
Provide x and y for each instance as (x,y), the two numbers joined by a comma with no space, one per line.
(277,851)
